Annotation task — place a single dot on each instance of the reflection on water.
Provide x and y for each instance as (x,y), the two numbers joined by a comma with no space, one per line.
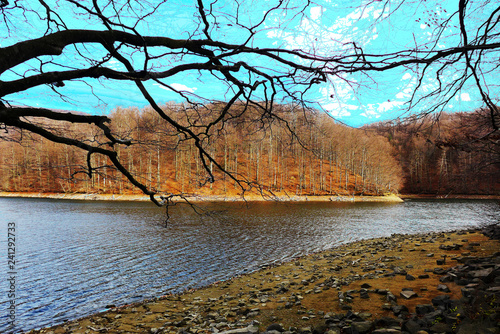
(74,258)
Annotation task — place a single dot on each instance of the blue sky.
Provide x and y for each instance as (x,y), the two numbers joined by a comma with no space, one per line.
(327,28)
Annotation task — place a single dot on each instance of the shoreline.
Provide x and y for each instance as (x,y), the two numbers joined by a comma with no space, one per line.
(444,197)
(206,198)
(358,284)
(392,198)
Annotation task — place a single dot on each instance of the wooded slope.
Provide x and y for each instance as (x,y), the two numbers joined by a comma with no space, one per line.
(302,153)
(446,154)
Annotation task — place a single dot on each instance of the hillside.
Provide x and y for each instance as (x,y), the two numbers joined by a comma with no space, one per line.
(447,154)
(303,153)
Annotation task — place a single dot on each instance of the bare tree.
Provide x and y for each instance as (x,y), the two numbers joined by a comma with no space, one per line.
(220,44)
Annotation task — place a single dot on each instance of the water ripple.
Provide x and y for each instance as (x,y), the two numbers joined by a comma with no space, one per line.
(74,258)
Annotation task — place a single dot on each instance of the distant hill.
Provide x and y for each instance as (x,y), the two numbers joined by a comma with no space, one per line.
(447,154)
(318,157)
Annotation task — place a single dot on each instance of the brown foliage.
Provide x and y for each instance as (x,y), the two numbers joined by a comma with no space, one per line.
(317,157)
(451,154)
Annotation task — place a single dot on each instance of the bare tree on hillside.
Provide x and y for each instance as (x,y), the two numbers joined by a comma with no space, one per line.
(103,42)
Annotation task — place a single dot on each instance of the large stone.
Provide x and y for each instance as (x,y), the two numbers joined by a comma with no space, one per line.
(272,332)
(333,331)
(450,247)
(387,306)
(246,330)
(390,297)
(387,322)
(386,331)
(399,271)
(492,231)
(275,327)
(477,329)
(364,294)
(345,307)
(482,274)
(430,318)
(468,292)
(441,300)
(424,309)
(439,271)
(241,311)
(440,328)
(443,288)
(462,281)
(447,278)
(364,315)
(407,294)
(320,329)
(362,327)
(411,326)
(398,309)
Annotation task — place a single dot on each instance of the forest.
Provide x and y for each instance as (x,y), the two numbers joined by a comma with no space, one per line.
(296,153)
(446,153)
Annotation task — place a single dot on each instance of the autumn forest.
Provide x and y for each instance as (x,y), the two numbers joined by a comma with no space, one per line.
(297,153)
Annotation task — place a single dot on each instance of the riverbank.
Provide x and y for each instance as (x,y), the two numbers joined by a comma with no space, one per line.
(449,196)
(384,285)
(205,198)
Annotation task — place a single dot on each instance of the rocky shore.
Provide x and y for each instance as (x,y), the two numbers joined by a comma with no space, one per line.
(446,282)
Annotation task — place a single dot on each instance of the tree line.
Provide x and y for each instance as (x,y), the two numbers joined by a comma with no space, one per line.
(446,154)
(295,152)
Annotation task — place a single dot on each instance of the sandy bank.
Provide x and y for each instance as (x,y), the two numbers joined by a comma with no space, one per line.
(449,196)
(208,198)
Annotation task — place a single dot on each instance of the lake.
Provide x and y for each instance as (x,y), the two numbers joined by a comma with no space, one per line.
(73,258)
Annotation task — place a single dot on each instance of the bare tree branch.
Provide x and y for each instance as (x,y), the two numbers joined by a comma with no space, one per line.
(253,75)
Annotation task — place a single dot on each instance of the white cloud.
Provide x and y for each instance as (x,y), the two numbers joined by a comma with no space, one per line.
(316,12)
(405,93)
(406,76)
(337,89)
(313,35)
(339,110)
(370,112)
(400,95)
(377,13)
(465,97)
(178,86)
(422,26)
(388,105)
(183,87)
(114,65)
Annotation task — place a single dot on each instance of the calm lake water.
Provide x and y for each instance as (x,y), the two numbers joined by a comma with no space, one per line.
(73,258)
